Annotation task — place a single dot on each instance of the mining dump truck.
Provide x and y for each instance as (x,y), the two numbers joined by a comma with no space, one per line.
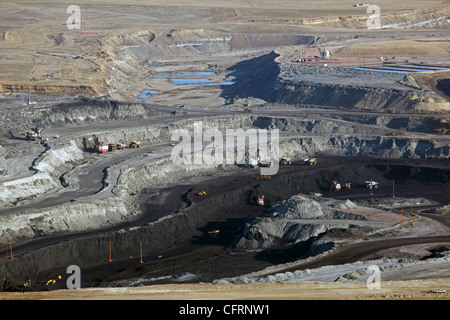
(311,161)
(372,184)
(335,186)
(115,146)
(214,233)
(285,161)
(248,110)
(135,144)
(251,162)
(260,200)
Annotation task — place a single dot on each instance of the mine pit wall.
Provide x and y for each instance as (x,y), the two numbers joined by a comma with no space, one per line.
(87,90)
(155,237)
(345,96)
(107,209)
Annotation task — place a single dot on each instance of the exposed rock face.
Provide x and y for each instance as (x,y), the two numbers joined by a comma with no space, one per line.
(299,218)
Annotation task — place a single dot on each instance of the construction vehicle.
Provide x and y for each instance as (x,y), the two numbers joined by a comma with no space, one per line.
(251,162)
(264,177)
(269,164)
(372,184)
(214,233)
(116,146)
(99,146)
(310,161)
(335,186)
(135,144)
(202,193)
(348,185)
(248,110)
(285,161)
(260,200)
(392,134)
(35,133)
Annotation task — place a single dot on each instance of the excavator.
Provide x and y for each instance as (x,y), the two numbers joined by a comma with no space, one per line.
(99,146)
(35,133)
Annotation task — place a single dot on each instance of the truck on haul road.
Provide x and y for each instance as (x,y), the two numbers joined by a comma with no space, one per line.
(116,146)
(260,200)
(285,161)
(135,144)
(310,161)
(251,162)
(372,184)
(335,186)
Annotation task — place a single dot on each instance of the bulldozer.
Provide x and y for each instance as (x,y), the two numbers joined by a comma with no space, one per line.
(135,144)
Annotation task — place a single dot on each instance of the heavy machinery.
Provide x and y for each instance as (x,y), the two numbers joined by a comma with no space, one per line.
(310,161)
(115,146)
(269,164)
(135,144)
(335,186)
(99,146)
(251,162)
(214,233)
(372,184)
(248,110)
(260,200)
(35,133)
(285,161)
(202,193)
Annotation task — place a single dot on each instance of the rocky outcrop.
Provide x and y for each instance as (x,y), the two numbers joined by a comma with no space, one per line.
(297,219)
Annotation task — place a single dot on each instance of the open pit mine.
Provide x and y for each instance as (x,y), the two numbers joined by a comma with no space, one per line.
(192,145)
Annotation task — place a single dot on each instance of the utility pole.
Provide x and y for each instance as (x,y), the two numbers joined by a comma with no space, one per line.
(393,188)
(402,220)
